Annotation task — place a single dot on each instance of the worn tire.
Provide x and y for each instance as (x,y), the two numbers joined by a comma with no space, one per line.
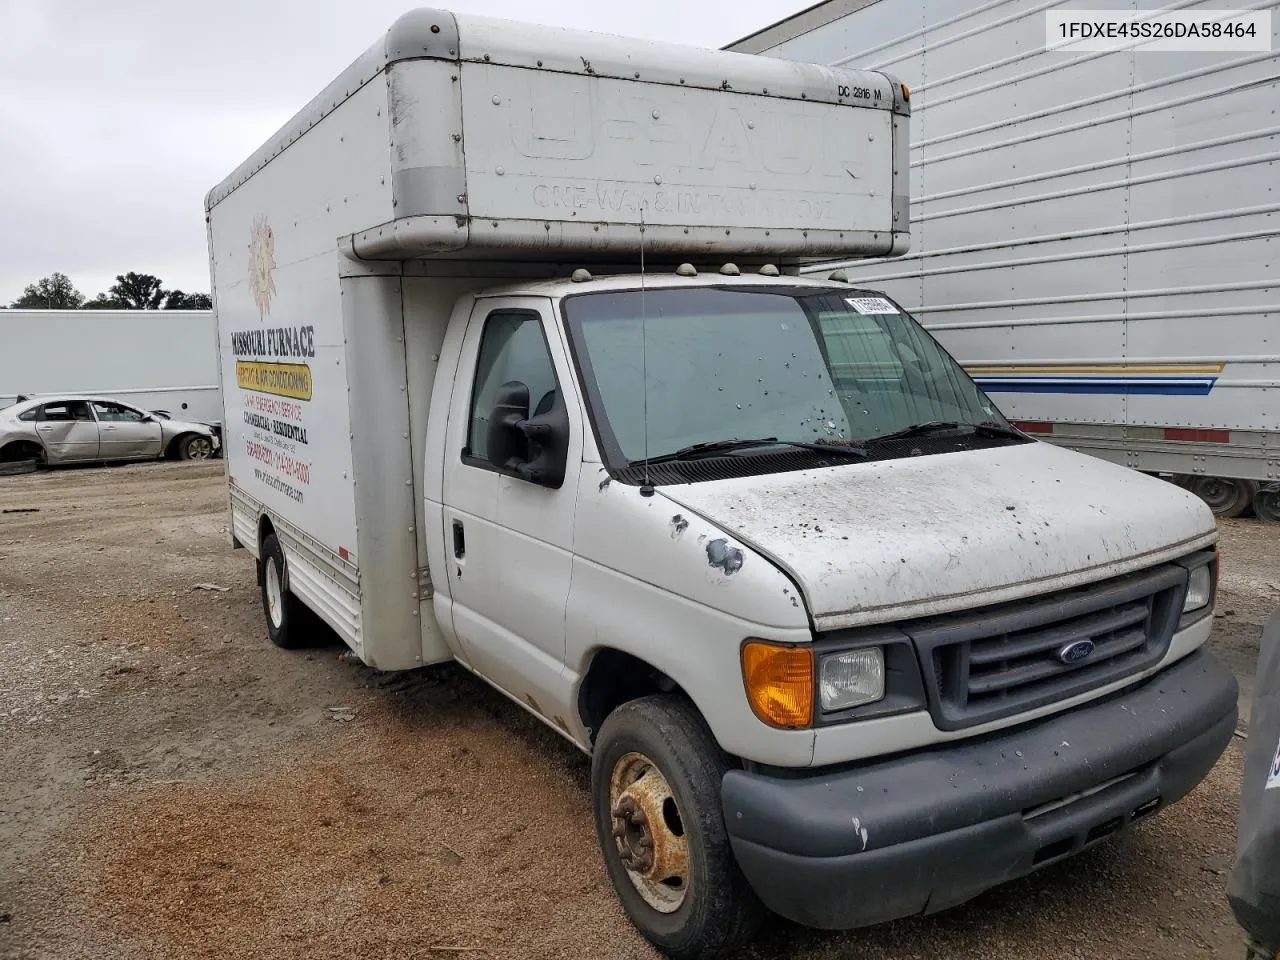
(1227,498)
(11,468)
(194,446)
(289,624)
(719,910)
(1266,505)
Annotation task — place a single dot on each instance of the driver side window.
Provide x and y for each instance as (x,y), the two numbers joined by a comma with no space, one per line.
(512,347)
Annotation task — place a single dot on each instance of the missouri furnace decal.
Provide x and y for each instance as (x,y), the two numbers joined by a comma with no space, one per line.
(275,379)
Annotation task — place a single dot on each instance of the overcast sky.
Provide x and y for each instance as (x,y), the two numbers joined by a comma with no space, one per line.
(116,116)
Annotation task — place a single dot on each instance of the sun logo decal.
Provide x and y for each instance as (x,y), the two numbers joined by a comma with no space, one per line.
(262,261)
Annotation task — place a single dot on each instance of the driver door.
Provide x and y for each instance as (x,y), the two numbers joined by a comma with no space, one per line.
(125,433)
(509,541)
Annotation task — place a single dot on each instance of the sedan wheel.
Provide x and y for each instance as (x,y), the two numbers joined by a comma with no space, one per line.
(196,448)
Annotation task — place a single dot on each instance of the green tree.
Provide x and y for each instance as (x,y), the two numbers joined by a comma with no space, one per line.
(138,291)
(104,302)
(54,292)
(177,300)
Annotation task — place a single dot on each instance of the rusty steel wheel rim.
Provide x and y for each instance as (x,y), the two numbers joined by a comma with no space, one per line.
(648,832)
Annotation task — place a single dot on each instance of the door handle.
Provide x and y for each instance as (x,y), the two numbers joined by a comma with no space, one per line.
(459,540)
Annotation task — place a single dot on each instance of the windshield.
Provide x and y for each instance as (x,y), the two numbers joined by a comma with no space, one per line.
(795,364)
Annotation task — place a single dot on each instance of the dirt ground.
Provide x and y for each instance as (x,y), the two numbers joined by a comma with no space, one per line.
(174,787)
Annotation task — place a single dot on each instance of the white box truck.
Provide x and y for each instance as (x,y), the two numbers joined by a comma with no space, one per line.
(1093,233)
(519,374)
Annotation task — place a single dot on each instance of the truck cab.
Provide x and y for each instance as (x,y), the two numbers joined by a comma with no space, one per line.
(533,395)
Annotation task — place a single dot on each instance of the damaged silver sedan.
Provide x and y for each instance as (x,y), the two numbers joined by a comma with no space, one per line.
(54,431)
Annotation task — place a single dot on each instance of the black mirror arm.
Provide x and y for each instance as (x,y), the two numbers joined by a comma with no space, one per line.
(536,429)
(549,432)
(537,432)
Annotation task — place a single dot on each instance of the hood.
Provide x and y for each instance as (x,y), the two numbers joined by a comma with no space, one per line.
(171,428)
(872,542)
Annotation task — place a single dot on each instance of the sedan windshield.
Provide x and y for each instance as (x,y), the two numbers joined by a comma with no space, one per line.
(795,365)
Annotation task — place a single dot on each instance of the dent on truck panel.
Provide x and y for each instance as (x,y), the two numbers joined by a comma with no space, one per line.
(724,557)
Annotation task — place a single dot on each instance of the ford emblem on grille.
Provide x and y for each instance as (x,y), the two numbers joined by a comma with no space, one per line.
(1076,651)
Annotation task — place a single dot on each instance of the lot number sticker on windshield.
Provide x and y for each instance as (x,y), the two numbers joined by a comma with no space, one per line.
(1273,778)
(870,306)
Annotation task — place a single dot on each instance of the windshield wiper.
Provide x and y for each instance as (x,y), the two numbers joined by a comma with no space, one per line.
(942,426)
(712,447)
(989,429)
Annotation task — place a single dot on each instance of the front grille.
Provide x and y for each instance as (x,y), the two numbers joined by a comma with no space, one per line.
(1008,659)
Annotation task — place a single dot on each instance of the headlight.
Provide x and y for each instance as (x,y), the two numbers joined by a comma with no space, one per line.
(851,679)
(1199,588)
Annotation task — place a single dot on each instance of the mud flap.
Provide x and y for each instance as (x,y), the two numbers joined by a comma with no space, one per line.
(1254,886)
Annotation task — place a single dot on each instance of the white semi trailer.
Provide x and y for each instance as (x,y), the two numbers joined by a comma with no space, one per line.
(159,360)
(1094,235)
(518,374)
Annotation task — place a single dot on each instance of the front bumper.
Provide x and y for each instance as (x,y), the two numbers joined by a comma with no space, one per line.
(929,830)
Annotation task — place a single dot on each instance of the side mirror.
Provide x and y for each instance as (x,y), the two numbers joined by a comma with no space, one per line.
(534,449)
(506,443)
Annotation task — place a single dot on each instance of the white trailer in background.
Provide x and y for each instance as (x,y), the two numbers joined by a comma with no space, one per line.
(160,360)
(1093,234)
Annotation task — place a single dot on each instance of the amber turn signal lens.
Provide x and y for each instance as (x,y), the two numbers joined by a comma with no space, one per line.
(779,683)
(906,92)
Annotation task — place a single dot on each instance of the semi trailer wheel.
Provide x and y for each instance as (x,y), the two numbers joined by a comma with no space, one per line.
(1226,497)
(655,782)
(1266,503)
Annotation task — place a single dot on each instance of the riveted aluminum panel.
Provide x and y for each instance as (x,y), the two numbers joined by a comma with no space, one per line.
(1098,228)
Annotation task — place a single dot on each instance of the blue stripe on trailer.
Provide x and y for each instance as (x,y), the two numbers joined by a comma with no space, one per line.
(1114,386)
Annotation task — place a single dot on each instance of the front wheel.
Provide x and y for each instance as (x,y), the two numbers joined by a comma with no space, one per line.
(195,446)
(655,782)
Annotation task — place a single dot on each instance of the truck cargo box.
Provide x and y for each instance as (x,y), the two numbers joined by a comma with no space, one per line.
(543,140)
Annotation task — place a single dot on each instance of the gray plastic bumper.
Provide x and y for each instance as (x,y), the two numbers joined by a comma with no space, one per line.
(929,830)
